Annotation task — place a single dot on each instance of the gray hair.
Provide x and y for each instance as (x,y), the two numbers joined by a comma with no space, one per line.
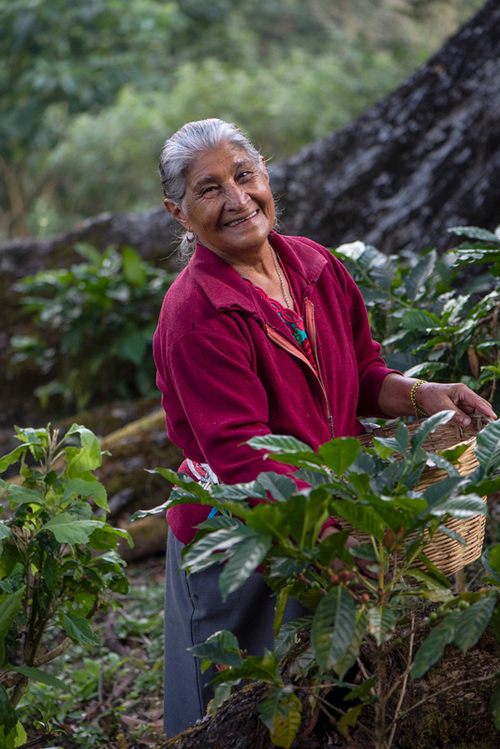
(181,149)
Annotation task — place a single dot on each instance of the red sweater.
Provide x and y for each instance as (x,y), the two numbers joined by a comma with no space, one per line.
(230,369)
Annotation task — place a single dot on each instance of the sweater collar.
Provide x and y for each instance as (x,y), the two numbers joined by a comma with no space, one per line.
(226,289)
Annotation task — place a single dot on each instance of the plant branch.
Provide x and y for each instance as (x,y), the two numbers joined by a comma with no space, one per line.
(47,657)
(403,686)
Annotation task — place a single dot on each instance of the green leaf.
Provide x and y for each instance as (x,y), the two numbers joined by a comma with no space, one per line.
(10,607)
(420,320)
(280,487)
(471,623)
(362,517)
(419,275)
(8,716)
(488,448)
(381,623)
(429,426)
(133,268)
(280,608)
(363,691)
(277,443)
(349,657)
(432,648)
(222,648)
(80,629)
(86,458)
(491,560)
(12,457)
(23,495)
(281,713)
(339,454)
(5,531)
(349,720)
(289,632)
(67,530)
(460,507)
(333,628)
(246,556)
(474,232)
(131,346)
(82,488)
(36,674)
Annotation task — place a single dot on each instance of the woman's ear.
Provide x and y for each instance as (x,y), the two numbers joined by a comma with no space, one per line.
(177,212)
(263,164)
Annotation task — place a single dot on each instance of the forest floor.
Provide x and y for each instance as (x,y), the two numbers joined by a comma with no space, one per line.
(115,691)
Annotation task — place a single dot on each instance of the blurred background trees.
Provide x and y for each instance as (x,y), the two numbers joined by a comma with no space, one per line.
(92,88)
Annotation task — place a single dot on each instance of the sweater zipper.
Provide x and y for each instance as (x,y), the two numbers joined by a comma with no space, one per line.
(290,348)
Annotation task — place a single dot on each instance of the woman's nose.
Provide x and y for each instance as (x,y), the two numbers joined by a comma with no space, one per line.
(236,197)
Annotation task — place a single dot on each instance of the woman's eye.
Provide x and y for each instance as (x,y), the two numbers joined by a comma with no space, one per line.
(208,189)
(242,175)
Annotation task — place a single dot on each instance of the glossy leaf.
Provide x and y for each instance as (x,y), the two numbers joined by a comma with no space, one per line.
(42,677)
(81,488)
(23,495)
(471,623)
(12,457)
(432,649)
(67,530)
(281,713)
(460,507)
(80,629)
(88,457)
(339,454)
(419,275)
(381,623)
(362,517)
(8,716)
(333,628)
(429,426)
(222,648)
(474,232)
(246,557)
(488,448)
(10,606)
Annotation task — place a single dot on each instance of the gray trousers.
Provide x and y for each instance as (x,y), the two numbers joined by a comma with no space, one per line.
(193,611)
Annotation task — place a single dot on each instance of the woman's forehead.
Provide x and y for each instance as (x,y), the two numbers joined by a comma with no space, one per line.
(216,164)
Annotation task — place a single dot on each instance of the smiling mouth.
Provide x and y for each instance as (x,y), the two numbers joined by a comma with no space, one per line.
(241,220)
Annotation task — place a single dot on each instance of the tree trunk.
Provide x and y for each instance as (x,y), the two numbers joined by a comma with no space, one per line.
(424,158)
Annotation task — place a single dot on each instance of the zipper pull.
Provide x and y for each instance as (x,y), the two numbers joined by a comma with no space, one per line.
(330,419)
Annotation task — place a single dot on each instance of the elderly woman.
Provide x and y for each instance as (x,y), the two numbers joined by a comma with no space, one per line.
(260,333)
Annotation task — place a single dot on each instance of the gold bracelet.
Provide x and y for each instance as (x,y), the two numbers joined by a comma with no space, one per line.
(413,398)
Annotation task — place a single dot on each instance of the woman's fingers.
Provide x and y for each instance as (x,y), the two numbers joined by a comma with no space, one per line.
(433,397)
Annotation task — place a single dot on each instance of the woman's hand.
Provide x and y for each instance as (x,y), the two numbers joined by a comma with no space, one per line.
(431,397)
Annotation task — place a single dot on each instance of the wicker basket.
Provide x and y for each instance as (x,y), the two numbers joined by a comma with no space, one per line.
(448,555)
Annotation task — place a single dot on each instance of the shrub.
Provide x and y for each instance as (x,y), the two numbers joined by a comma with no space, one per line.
(376,595)
(96,323)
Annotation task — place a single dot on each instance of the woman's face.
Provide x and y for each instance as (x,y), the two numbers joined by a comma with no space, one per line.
(228,203)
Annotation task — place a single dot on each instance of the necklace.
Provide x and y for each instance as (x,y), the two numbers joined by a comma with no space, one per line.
(281,279)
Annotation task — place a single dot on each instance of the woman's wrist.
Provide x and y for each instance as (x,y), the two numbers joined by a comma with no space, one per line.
(413,398)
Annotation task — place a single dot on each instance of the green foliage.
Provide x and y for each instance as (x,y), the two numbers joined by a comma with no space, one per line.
(427,328)
(380,585)
(123,675)
(96,323)
(52,582)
